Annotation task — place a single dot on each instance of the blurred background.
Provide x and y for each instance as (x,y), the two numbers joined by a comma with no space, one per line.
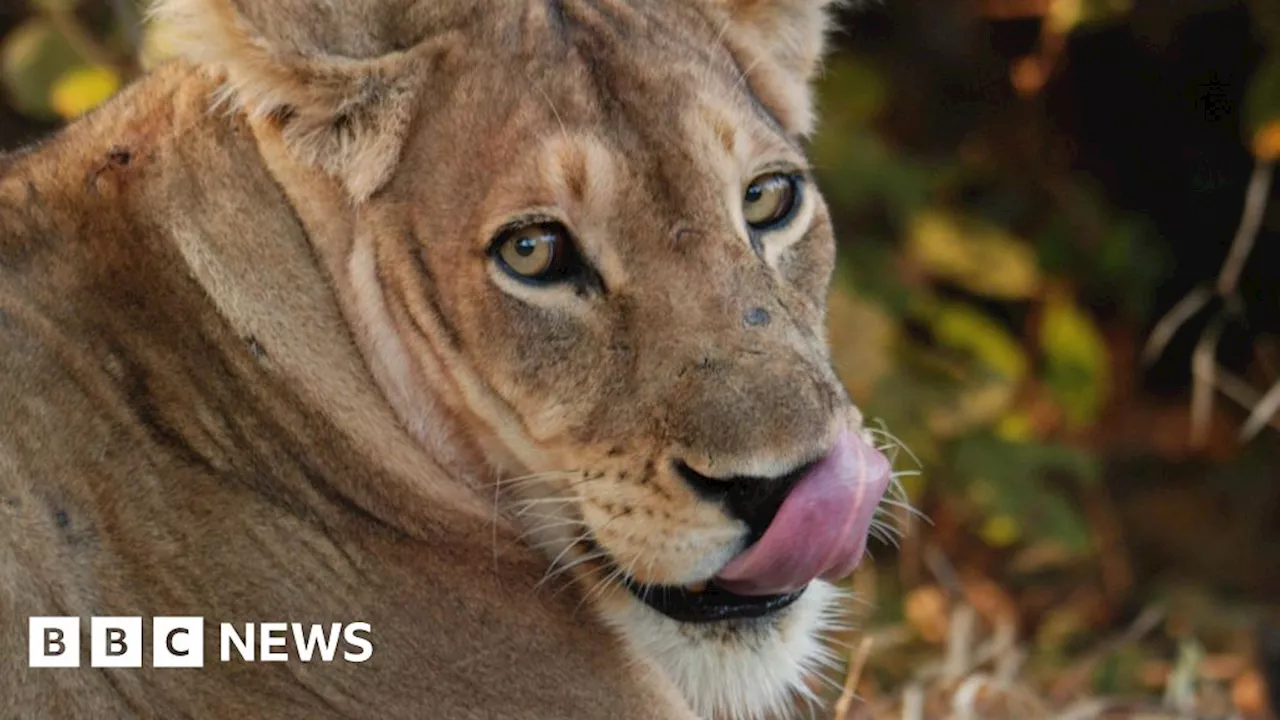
(1059,297)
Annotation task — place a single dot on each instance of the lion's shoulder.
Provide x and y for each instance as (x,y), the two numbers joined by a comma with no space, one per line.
(83,196)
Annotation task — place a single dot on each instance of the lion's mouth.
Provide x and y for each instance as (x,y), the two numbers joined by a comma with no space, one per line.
(701,603)
(710,603)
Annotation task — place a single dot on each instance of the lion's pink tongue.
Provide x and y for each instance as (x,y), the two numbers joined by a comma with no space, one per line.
(821,529)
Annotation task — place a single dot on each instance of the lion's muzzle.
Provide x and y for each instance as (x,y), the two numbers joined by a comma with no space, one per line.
(821,528)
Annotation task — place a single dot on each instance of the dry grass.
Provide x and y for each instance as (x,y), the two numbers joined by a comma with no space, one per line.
(959,654)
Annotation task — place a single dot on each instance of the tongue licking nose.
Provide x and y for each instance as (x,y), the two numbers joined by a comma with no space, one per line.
(821,528)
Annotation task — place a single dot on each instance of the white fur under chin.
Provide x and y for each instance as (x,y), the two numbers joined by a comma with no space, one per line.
(741,670)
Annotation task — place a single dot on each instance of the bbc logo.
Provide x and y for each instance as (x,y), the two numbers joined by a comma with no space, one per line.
(176,642)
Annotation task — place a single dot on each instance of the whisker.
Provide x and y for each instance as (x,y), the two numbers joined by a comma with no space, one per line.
(907,508)
(554,563)
(742,78)
(544,516)
(883,431)
(550,526)
(519,479)
(887,528)
(527,505)
(586,558)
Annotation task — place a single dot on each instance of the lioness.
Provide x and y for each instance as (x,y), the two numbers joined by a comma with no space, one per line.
(410,312)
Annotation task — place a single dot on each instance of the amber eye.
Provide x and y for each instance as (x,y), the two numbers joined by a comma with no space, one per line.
(769,200)
(542,252)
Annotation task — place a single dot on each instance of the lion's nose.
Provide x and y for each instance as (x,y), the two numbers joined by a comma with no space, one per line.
(753,500)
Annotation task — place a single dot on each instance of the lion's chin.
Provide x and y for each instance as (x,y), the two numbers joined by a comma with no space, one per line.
(738,669)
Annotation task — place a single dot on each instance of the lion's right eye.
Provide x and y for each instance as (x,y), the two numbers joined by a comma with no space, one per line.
(769,199)
(541,252)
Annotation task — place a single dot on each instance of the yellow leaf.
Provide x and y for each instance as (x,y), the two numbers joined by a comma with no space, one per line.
(1266,142)
(974,407)
(82,89)
(34,55)
(1015,427)
(1000,531)
(962,327)
(1078,367)
(1064,15)
(978,256)
(1001,367)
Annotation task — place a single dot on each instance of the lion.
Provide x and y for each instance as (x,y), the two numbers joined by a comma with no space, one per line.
(497,325)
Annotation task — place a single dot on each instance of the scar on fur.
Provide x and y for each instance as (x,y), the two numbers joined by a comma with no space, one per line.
(685,235)
(255,347)
(117,157)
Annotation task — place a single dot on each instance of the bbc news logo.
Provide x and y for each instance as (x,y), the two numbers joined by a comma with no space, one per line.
(178,642)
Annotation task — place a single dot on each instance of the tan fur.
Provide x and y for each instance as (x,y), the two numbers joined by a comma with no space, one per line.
(255,363)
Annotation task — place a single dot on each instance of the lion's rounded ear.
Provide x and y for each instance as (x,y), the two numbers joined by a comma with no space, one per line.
(779,46)
(339,77)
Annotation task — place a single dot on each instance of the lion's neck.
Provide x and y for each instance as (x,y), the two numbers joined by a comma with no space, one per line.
(348,256)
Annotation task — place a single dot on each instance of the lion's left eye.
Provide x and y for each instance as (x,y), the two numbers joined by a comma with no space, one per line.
(769,200)
(541,252)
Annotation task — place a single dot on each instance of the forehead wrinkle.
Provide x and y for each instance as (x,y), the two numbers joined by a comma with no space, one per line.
(591,70)
(582,174)
(577,169)
(723,129)
(651,100)
(758,133)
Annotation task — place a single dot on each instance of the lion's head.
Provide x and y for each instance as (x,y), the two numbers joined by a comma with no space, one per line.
(581,239)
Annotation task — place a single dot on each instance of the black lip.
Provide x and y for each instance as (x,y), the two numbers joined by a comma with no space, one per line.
(714,604)
(711,605)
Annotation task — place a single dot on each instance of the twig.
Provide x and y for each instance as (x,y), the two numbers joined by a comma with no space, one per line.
(1087,709)
(960,636)
(1264,413)
(1164,330)
(942,569)
(1255,206)
(913,702)
(1237,390)
(1203,362)
(851,679)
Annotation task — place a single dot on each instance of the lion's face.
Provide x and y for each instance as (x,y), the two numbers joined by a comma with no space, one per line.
(586,242)
(625,275)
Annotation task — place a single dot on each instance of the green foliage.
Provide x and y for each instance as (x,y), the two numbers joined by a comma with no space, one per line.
(1012,482)
(990,404)
(34,56)
(1077,368)
(68,57)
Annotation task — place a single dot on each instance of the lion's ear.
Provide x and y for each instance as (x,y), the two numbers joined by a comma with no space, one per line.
(779,45)
(339,77)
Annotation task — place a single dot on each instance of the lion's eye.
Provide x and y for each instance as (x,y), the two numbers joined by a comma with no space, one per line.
(542,252)
(769,200)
